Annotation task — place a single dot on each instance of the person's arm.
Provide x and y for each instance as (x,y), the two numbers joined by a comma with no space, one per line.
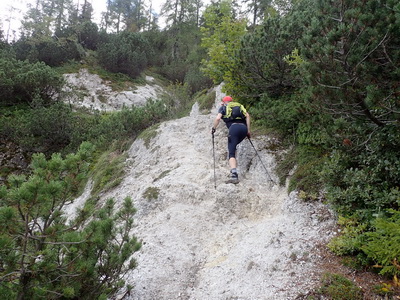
(216,121)
(248,123)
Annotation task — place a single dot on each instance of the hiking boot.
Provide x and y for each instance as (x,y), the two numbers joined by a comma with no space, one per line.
(233,177)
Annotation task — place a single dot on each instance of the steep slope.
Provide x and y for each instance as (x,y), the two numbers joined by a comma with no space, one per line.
(245,241)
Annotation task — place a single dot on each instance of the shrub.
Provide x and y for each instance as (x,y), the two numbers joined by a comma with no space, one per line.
(50,51)
(306,163)
(175,71)
(382,245)
(21,81)
(85,258)
(195,78)
(374,241)
(283,115)
(88,35)
(177,100)
(44,129)
(367,177)
(125,53)
(350,240)
(55,53)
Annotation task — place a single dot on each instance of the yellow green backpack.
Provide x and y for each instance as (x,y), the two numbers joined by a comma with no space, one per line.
(235,111)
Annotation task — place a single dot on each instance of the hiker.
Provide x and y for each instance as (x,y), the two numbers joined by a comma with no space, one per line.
(237,120)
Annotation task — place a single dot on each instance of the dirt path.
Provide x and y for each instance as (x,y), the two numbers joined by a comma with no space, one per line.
(245,241)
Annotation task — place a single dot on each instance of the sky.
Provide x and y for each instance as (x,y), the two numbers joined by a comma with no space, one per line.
(21,6)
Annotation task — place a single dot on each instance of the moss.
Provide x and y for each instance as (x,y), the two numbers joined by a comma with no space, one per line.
(151,193)
(148,134)
(337,287)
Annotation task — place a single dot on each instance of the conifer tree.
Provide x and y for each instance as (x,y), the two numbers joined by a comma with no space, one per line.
(179,12)
(125,15)
(258,9)
(260,67)
(354,57)
(45,255)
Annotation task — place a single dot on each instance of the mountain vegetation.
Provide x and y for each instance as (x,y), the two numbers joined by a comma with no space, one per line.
(320,76)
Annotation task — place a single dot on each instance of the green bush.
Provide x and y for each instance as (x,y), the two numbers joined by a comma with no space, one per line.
(382,245)
(196,80)
(283,114)
(43,255)
(304,164)
(350,75)
(125,53)
(106,128)
(59,128)
(174,71)
(53,52)
(374,241)
(43,129)
(21,81)
(307,178)
(351,238)
(367,177)
(259,67)
(177,100)
(88,35)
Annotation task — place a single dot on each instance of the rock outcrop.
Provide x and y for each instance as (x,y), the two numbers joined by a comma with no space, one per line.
(84,89)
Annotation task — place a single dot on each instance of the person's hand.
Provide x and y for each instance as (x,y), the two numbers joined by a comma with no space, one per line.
(248,134)
(212,130)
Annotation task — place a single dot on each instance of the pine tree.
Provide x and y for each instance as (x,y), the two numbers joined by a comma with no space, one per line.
(45,255)
(260,65)
(125,15)
(181,12)
(354,57)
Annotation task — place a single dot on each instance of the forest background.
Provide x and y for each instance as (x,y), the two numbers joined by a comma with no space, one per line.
(322,77)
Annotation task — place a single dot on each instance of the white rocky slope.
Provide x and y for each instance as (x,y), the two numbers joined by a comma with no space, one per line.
(84,89)
(244,241)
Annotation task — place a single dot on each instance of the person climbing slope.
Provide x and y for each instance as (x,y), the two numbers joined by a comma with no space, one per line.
(237,119)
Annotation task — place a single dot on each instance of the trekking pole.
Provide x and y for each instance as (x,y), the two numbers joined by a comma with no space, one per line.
(270,179)
(215,179)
